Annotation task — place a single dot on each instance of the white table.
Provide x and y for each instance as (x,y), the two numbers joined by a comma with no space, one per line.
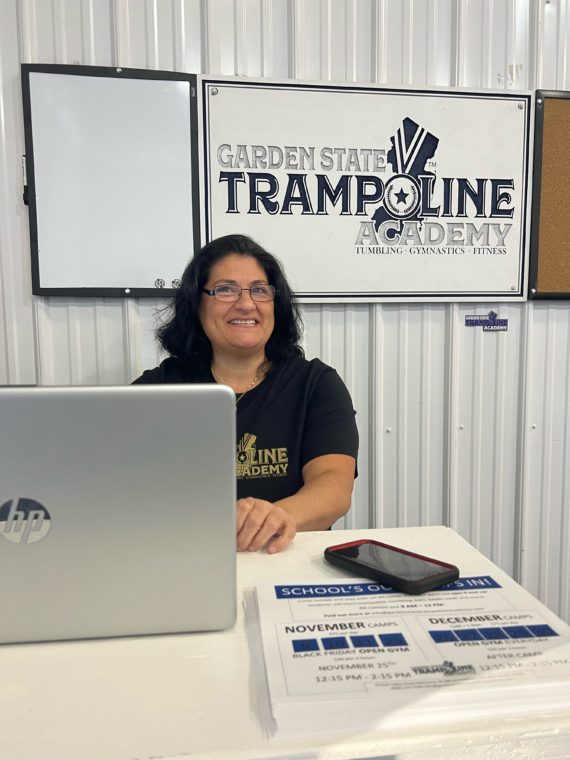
(192,695)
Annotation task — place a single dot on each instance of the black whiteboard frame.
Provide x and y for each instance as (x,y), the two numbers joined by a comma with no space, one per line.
(30,186)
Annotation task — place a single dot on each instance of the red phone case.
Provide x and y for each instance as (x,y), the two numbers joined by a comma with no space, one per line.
(448,572)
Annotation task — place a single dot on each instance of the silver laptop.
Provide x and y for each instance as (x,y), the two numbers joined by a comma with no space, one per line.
(117,511)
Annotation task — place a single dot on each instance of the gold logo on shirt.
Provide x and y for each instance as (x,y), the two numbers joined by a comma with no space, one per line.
(252,462)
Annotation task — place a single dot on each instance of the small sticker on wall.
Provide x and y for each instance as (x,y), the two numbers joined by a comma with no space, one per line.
(489,322)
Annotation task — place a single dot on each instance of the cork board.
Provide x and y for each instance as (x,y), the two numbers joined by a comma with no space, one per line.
(550,264)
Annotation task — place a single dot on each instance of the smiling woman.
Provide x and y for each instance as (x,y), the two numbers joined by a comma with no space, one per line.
(235,321)
(238,318)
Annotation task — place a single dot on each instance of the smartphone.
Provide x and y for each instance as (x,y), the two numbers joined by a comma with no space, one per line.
(399,568)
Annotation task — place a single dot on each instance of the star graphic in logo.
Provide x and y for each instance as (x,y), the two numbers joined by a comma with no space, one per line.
(412,147)
(401,196)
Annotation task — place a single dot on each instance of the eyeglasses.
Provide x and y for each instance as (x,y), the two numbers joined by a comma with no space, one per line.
(230,293)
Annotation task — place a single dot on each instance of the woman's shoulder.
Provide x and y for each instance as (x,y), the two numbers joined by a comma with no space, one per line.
(304,370)
(170,370)
(318,383)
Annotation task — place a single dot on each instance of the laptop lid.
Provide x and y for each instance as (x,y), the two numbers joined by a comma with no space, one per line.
(117,511)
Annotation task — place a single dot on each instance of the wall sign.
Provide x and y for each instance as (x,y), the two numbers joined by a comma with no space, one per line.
(372,194)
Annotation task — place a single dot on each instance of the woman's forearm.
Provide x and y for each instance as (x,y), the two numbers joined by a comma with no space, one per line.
(325,495)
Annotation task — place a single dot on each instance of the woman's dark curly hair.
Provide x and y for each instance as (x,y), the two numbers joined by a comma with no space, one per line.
(182,335)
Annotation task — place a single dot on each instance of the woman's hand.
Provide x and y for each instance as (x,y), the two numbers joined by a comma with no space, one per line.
(261,523)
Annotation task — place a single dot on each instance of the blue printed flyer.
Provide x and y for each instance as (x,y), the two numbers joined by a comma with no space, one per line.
(356,655)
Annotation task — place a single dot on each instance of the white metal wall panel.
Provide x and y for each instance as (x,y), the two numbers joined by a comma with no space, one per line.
(546,464)
(484,430)
(554,48)
(407,403)
(457,426)
(17,362)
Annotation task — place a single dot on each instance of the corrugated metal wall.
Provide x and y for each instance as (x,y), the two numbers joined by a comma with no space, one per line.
(458,426)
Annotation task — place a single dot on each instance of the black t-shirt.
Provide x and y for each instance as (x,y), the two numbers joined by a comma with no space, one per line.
(301,410)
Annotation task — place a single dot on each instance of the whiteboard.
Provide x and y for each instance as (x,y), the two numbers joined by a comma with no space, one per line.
(370,193)
(110,187)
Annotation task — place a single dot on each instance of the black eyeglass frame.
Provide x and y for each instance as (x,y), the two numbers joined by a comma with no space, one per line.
(212,293)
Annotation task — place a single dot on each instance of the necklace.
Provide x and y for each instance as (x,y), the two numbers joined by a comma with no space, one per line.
(259,375)
(256,379)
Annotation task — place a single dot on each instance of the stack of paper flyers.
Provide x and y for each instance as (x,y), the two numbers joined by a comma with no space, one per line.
(355,655)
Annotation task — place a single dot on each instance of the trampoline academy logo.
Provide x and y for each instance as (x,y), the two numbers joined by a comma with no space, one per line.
(24,521)
(413,211)
(253,462)
(447,668)
(489,322)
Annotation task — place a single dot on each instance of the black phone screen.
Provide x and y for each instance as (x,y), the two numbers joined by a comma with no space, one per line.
(392,561)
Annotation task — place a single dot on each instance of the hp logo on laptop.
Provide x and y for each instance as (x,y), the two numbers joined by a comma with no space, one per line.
(24,521)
